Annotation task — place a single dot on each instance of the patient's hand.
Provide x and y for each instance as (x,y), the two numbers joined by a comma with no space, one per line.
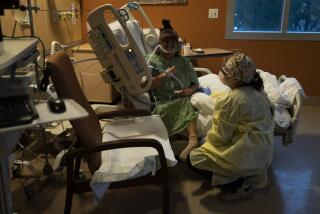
(170,70)
(184,92)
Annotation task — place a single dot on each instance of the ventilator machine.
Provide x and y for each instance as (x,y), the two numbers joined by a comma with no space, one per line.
(124,64)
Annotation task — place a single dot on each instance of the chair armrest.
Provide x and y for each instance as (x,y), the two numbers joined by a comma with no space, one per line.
(122,113)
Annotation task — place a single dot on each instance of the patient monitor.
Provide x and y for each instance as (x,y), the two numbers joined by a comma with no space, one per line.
(124,64)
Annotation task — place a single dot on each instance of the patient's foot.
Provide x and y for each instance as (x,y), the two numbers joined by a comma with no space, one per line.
(193,143)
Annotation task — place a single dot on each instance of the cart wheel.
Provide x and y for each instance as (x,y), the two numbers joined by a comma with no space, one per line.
(29,192)
(82,176)
(16,170)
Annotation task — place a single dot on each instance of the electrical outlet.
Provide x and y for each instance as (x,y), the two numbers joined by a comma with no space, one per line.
(213,13)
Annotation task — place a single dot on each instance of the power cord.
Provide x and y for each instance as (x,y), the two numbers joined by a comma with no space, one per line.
(76,50)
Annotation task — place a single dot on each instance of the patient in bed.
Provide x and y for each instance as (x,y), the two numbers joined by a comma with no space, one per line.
(238,147)
(173,100)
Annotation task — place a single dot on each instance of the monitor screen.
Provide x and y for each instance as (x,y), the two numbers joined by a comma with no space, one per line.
(9,4)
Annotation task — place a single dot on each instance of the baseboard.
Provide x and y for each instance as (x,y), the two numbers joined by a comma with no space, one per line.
(312,101)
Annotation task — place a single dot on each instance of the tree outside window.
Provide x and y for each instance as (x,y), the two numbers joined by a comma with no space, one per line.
(304,16)
(273,19)
(257,15)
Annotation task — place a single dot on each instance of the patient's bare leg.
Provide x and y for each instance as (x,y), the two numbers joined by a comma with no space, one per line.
(193,140)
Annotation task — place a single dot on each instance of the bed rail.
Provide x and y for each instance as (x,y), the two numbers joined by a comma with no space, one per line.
(288,134)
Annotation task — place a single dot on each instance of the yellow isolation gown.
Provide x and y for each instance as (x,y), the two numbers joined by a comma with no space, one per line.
(240,141)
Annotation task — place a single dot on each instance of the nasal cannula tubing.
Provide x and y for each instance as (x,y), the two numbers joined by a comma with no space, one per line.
(169,74)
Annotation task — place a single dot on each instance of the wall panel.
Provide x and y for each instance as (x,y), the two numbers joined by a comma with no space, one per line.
(46,27)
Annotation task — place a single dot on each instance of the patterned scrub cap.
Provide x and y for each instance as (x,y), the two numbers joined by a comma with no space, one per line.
(240,67)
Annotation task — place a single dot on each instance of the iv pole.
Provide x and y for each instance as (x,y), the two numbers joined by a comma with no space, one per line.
(47,169)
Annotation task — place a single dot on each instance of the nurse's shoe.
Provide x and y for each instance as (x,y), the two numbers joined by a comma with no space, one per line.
(258,181)
(193,143)
(228,196)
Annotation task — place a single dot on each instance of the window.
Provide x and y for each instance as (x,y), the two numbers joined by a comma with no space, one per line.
(273,19)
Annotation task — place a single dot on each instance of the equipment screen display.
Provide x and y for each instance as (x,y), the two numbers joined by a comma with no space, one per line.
(12,4)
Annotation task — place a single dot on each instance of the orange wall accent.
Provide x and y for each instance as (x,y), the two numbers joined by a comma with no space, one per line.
(300,59)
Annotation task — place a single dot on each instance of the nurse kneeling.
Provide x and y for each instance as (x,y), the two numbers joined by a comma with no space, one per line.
(238,147)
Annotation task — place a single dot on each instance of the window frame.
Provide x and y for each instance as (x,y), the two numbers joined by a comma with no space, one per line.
(267,35)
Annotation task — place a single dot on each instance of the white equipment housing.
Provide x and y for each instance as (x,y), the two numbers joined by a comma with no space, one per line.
(150,34)
(124,64)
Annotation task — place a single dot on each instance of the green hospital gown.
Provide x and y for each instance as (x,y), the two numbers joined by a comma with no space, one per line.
(176,112)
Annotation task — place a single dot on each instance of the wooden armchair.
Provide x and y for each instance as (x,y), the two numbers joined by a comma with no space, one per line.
(89,137)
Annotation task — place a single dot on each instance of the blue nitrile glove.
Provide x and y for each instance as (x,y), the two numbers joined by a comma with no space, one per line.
(202,141)
(205,90)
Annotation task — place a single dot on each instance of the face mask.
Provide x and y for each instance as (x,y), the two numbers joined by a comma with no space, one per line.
(229,81)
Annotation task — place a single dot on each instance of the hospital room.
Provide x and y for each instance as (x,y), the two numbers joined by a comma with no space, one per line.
(159,106)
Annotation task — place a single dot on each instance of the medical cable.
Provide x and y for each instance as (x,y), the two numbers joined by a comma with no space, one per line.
(74,51)
(84,60)
(155,103)
(168,73)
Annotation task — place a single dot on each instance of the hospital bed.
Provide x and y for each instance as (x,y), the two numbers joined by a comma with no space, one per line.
(286,108)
